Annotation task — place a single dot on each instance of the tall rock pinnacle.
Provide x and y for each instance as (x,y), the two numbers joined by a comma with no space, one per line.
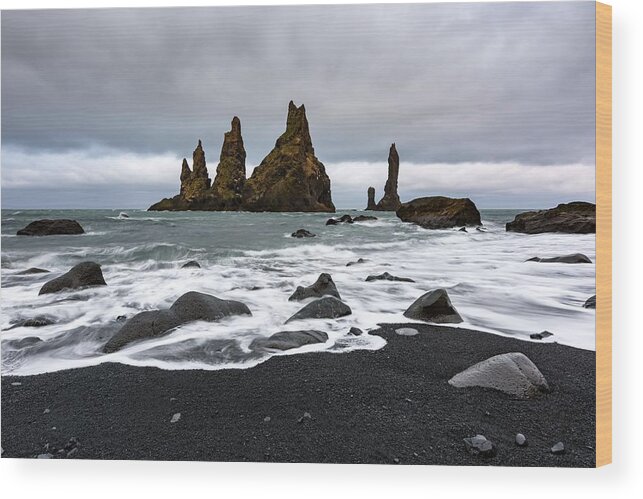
(228,184)
(290,178)
(371,199)
(391,200)
(195,182)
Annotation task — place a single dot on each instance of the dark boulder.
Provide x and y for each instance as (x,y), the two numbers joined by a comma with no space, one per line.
(364,218)
(192,264)
(51,228)
(26,342)
(33,270)
(356,262)
(591,302)
(39,321)
(512,373)
(324,285)
(440,212)
(573,258)
(327,307)
(191,306)
(541,336)
(344,219)
(355,331)
(463,229)
(80,276)
(287,340)
(302,233)
(577,217)
(480,446)
(387,277)
(434,306)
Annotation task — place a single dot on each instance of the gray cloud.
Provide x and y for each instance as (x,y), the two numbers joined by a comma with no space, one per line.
(449,83)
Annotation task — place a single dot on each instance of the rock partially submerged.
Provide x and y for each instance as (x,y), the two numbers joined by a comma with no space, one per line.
(541,336)
(32,270)
(439,212)
(434,306)
(51,228)
(577,217)
(192,264)
(191,306)
(299,233)
(511,373)
(573,258)
(387,277)
(290,177)
(83,275)
(39,321)
(356,262)
(324,285)
(591,302)
(287,340)
(364,218)
(344,219)
(327,307)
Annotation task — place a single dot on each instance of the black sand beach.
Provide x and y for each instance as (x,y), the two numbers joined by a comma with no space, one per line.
(392,405)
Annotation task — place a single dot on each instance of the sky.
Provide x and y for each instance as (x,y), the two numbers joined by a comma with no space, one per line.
(492,101)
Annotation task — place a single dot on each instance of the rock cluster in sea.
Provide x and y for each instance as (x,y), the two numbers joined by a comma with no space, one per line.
(290,178)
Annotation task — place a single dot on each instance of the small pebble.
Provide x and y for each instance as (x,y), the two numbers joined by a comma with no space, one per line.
(407,331)
(45,456)
(396,460)
(175,418)
(266,419)
(46,411)
(521,440)
(559,448)
(305,416)
(72,452)
(16,383)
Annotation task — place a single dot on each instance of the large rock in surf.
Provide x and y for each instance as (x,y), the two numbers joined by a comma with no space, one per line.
(590,303)
(439,212)
(577,217)
(434,306)
(511,373)
(51,228)
(573,258)
(191,306)
(327,307)
(227,188)
(391,200)
(290,178)
(286,340)
(370,203)
(83,275)
(324,285)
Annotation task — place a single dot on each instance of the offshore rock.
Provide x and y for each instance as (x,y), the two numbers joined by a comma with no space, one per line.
(290,178)
(51,228)
(577,217)
(439,212)
(227,189)
(391,200)
(83,275)
(370,204)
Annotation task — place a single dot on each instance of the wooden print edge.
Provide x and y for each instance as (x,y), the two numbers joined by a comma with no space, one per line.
(603,234)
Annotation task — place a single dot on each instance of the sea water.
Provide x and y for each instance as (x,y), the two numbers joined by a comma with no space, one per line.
(251,257)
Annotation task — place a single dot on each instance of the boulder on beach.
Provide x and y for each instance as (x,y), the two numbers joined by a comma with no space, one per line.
(302,233)
(577,217)
(290,177)
(434,306)
(480,446)
(512,373)
(192,264)
(327,307)
(287,340)
(51,228)
(387,277)
(191,306)
(591,302)
(83,275)
(32,270)
(573,258)
(439,212)
(324,285)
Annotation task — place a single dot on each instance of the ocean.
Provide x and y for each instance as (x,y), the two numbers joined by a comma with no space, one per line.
(251,257)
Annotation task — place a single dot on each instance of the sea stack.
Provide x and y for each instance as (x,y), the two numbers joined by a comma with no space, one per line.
(290,178)
(370,205)
(227,188)
(391,200)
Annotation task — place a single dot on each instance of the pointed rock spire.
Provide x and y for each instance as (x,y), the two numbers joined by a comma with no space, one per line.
(391,200)
(290,178)
(231,171)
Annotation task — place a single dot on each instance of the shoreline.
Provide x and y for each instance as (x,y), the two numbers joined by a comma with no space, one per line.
(392,405)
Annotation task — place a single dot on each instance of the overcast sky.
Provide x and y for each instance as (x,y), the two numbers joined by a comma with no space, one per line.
(492,101)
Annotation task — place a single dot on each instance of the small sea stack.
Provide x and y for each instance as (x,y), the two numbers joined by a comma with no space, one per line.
(391,199)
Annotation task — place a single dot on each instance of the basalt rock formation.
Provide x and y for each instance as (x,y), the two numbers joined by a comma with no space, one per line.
(290,178)
(439,212)
(51,228)
(391,200)
(371,205)
(577,217)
